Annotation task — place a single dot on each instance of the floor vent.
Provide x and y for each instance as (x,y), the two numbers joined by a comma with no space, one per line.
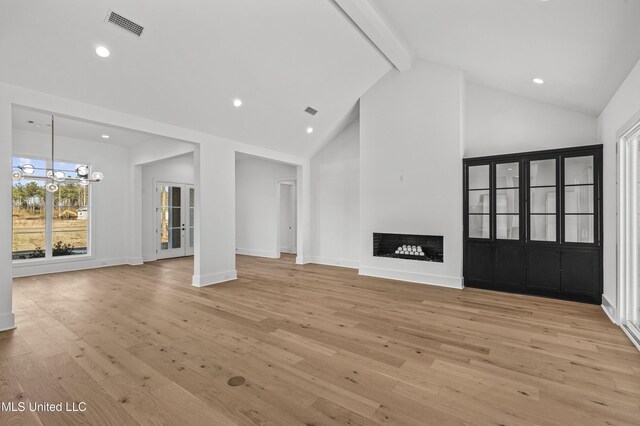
(124,23)
(311,111)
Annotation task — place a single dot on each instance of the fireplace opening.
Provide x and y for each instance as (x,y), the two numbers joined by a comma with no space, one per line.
(427,248)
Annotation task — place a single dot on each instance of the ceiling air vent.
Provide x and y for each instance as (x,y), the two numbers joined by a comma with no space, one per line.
(311,111)
(124,23)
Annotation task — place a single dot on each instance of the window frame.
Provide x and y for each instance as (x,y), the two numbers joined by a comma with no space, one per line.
(49,258)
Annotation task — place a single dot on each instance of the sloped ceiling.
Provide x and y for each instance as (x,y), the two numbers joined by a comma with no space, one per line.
(194,58)
(582,49)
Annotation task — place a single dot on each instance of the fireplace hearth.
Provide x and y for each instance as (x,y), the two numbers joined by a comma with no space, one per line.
(427,248)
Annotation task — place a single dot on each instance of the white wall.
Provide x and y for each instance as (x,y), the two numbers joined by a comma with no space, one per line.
(623,108)
(257,205)
(173,170)
(501,123)
(110,206)
(7,318)
(411,127)
(335,200)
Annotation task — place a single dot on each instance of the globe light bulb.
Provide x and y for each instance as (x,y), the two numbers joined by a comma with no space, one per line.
(27,169)
(52,187)
(59,176)
(82,170)
(97,176)
(83,182)
(16,175)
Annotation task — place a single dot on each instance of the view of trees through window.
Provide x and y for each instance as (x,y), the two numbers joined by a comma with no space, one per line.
(68,210)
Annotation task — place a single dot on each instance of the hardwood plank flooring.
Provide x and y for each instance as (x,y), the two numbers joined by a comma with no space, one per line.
(316,345)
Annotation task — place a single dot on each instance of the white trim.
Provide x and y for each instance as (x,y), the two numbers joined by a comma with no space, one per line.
(413,277)
(211,279)
(149,257)
(259,253)
(334,261)
(608,309)
(631,337)
(301,260)
(54,268)
(135,261)
(7,322)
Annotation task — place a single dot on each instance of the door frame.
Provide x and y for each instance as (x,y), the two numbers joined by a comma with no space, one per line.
(292,183)
(184,210)
(627,271)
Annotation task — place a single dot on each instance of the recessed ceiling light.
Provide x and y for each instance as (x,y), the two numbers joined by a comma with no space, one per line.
(102,51)
(105,136)
(237,102)
(538,81)
(309,129)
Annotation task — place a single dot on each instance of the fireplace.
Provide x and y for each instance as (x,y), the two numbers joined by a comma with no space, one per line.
(427,248)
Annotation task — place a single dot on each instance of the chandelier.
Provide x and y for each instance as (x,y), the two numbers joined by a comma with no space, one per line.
(83,175)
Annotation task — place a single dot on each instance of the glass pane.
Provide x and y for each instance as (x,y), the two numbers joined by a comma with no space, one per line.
(507,201)
(70,216)
(190,237)
(479,202)
(542,173)
(543,228)
(176,241)
(507,175)
(543,200)
(578,170)
(164,227)
(164,196)
(578,199)
(479,226)
(579,229)
(176,196)
(191,217)
(508,227)
(175,217)
(29,216)
(479,177)
(192,197)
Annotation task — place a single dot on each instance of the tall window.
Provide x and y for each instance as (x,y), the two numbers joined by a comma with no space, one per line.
(48,225)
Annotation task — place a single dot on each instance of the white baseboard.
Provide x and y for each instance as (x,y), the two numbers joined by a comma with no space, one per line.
(413,277)
(301,260)
(7,322)
(333,261)
(150,257)
(211,279)
(134,261)
(258,253)
(30,269)
(608,309)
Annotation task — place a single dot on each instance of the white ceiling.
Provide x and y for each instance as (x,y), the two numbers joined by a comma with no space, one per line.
(72,128)
(194,58)
(583,49)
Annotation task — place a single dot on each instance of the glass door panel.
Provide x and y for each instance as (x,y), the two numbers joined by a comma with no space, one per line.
(170,221)
(508,201)
(191,219)
(579,200)
(543,200)
(479,199)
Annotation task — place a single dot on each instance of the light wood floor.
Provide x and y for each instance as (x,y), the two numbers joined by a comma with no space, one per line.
(316,345)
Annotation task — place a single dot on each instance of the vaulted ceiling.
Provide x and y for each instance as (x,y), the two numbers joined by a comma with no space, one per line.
(279,57)
(193,58)
(582,49)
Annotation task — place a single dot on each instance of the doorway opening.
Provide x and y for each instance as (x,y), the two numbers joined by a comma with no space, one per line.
(175,208)
(287,217)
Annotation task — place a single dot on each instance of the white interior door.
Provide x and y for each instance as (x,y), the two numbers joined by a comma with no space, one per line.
(174,219)
(288,220)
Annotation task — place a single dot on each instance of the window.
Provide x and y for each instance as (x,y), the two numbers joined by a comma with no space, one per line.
(49,225)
